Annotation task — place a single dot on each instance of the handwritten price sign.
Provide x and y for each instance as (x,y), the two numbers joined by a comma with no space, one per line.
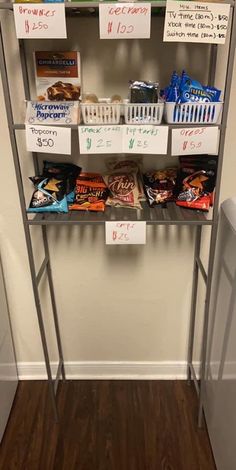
(196,22)
(48,139)
(40,20)
(100,139)
(125,20)
(145,139)
(125,233)
(195,140)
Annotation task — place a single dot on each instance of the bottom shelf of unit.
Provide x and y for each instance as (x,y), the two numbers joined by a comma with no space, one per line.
(168,215)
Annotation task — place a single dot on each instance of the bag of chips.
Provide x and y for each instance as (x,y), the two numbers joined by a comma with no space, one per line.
(129,166)
(124,191)
(90,193)
(49,195)
(65,171)
(196,182)
(160,185)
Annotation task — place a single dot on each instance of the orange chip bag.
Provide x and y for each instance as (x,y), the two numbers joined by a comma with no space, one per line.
(90,193)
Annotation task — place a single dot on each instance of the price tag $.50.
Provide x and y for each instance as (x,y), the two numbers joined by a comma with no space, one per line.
(125,233)
(48,139)
(195,140)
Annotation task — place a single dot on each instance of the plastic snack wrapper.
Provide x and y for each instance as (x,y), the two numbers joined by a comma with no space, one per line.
(90,193)
(143,92)
(184,89)
(49,195)
(160,185)
(124,191)
(196,181)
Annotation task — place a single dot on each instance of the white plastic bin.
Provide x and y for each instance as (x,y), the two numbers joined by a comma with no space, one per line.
(150,113)
(101,113)
(192,113)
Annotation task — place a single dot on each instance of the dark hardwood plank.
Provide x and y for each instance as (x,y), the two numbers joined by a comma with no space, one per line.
(106,425)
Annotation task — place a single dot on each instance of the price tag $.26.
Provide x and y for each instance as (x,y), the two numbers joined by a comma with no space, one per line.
(126,233)
(40,20)
(48,139)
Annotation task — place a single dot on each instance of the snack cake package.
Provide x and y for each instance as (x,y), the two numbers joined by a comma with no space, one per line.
(58,75)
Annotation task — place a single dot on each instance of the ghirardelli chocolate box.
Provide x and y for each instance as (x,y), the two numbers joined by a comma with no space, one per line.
(58,76)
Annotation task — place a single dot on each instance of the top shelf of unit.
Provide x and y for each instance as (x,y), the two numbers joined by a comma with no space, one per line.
(70,6)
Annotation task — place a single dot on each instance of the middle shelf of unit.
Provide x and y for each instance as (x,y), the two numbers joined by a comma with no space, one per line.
(171,214)
(21,126)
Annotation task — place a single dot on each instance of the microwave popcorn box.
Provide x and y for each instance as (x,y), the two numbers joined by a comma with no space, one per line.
(48,112)
(58,76)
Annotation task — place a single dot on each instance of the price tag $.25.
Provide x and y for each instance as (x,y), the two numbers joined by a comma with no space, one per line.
(126,233)
(48,139)
(100,139)
(40,20)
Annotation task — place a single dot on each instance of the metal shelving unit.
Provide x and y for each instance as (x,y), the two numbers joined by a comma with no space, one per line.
(171,215)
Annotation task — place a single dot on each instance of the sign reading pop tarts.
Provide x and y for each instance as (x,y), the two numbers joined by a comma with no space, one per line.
(125,20)
(40,21)
(48,139)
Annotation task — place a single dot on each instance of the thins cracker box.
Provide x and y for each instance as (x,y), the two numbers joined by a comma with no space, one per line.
(58,76)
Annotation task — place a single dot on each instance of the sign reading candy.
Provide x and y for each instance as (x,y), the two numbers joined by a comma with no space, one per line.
(125,20)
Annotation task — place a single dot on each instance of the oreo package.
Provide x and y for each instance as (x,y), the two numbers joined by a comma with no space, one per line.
(184,89)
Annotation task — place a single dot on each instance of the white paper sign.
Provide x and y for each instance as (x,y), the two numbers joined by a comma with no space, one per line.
(145,139)
(48,139)
(125,233)
(100,139)
(43,20)
(125,20)
(196,22)
(195,140)
(47,112)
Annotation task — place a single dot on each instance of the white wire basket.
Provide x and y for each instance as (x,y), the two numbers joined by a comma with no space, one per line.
(150,113)
(101,113)
(192,113)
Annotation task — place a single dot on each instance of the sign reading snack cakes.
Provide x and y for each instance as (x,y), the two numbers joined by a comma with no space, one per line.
(58,76)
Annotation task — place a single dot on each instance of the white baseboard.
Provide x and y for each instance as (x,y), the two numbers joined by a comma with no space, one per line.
(164,370)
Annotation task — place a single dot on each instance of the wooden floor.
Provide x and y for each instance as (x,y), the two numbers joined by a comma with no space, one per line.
(106,425)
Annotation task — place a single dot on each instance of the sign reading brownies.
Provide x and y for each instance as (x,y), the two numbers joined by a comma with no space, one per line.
(58,76)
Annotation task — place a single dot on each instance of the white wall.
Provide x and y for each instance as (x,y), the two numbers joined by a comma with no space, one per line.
(128,304)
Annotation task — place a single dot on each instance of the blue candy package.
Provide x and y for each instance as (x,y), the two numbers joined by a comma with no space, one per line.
(186,90)
(49,195)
